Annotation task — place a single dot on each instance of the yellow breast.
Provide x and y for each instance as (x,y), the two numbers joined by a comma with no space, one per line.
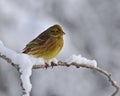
(54,49)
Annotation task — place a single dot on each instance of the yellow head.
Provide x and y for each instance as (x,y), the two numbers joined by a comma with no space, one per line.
(55,31)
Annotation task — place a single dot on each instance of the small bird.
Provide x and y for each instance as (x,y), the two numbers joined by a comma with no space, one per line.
(47,45)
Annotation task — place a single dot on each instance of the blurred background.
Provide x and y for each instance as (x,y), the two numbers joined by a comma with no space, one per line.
(92,29)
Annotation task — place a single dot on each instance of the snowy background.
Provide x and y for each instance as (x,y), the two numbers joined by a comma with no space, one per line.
(92,29)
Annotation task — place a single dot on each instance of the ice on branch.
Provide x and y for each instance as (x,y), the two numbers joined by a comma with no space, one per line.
(81,60)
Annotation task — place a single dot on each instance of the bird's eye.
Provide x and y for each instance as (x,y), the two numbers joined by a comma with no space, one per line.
(57,31)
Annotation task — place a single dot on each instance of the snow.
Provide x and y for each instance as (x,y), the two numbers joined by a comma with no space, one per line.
(81,60)
(26,63)
(36,61)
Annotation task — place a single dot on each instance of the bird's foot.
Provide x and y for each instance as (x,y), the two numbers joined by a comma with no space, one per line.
(46,65)
(53,64)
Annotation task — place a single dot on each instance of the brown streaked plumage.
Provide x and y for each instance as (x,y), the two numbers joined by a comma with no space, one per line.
(47,45)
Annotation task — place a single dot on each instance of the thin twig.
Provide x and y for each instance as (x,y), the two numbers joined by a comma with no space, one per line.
(60,63)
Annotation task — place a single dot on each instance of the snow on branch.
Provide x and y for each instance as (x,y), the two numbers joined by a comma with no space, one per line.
(25,63)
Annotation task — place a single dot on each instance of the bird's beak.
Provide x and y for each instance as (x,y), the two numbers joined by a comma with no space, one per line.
(63,33)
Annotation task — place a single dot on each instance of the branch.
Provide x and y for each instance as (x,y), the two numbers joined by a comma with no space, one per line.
(24,91)
(22,63)
(108,75)
(60,63)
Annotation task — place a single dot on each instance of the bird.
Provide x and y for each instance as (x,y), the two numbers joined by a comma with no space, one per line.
(47,45)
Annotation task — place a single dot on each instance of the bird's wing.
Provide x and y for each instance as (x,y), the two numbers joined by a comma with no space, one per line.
(36,43)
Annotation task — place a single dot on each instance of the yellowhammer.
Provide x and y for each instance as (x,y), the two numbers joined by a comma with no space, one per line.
(47,45)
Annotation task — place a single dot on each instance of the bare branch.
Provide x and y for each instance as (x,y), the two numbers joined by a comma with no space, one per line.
(60,63)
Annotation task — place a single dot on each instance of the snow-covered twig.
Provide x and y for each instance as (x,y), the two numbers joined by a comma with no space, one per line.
(25,65)
(22,63)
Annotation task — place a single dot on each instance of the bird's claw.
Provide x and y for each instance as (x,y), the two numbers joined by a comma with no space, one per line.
(53,64)
(46,65)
